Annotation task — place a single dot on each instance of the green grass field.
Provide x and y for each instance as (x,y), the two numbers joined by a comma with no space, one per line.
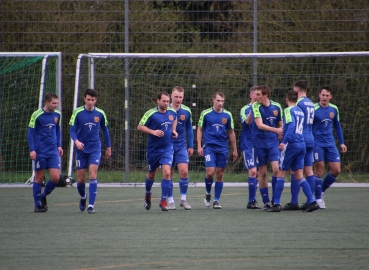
(123,235)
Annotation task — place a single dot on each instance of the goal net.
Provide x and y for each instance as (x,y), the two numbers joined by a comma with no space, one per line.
(24,78)
(128,85)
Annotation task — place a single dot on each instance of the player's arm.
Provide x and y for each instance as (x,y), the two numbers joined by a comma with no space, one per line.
(174,129)
(248,119)
(145,129)
(232,138)
(58,139)
(31,143)
(200,150)
(259,123)
(106,135)
(339,132)
(189,134)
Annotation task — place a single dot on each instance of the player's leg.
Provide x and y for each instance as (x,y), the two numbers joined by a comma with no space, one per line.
(261,160)
(273,154)
(92,188)
(220,164)
(53,164)
(38,167)
(210,159)
(183,185)
(319,153)
(334,163)
(81,166)
(166,161)
(250,166)
(152,166)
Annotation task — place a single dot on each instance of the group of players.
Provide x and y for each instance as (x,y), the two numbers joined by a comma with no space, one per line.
(295,140)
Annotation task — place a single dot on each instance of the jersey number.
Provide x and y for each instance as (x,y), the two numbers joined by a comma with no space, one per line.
(299,126)
(310,116)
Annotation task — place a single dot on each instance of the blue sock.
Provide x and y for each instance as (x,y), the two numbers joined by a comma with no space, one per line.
(93,191)
(252,188)
(218,187)
(208,184)
(295,190)
(170,190)
(274,182)
(328,181)
(307,191)
(48,188)
(264,195)
(311,181)
(165,186)
(37,193)
(318,187)
(256,186)
(183,185)
(81,188)
(148,185)
(278,190)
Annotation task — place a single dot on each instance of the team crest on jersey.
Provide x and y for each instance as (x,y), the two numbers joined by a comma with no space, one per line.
(275,112)
(56,119)
(171,117)
(331,114)
(183,117)
(96,119)
(224,121)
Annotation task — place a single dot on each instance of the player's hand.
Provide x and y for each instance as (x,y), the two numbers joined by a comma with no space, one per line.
(343,148)
(32,155)
(79,145)
(174,134)
(190,152)
(158,133)
(108,153)
(235,155)
(281,146)
(60,151)
(279,131)
(200,151)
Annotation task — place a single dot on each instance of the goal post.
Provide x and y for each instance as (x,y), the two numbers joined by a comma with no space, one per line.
(24,78)
(128,83)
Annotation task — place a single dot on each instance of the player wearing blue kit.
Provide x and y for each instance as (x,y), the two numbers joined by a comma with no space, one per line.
(247,148)
(267,130)
(45,149)
(293,154)
(160,123)
(325,150)
(307,106)
(181,152)
(213,124)
(85,125)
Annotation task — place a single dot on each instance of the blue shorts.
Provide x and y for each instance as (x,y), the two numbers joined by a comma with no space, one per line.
(180,156)
(154,160)
(249,159)
(327,154)
(85,159)
(215,158)
(42,163)
(262,155)
(292,157)
(308,161)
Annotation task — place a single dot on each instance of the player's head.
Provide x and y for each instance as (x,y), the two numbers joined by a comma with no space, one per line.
(300,86)
(177,96)
(90,98)
(291,97)
(162,100)
(90,92)
(325,95)
(327,88)
(218,101)
(261,94)
(252,91)
(51,102)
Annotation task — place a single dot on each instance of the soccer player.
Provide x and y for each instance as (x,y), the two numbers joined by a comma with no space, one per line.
(267,115)
(307,106)
(213,124)
(45,149)
(247,148)
(85,125)
(181,152)
(293,154)
(160,123)
(325,150)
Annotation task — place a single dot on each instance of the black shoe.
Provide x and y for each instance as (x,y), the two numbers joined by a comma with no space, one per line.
(291,207)
(267,206)
(312,207)
(82,203)
(303,207)
(44,203)
(253,205)
(147,201)
(272,202)
(275,208)
(39,209)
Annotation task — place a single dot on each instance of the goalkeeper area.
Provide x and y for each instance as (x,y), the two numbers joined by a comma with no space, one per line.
(123,235)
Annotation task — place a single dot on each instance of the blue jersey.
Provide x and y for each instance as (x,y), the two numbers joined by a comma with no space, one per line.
(246,138)
(85,126)
(44,133)
(184,126)
(215,126)
(324,119)
(307,107)
(271,115)
(293,129)
(155,120)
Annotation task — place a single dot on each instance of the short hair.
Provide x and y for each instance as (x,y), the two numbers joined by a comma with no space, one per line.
(50,96)
(90,92)
(326,87)
(265,90)
(252,89)
(162,93)
(178,88)
(302,84)
(292,96)
(221,94)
